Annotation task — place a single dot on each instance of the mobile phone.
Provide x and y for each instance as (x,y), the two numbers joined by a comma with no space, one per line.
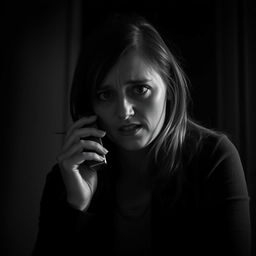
(92,163)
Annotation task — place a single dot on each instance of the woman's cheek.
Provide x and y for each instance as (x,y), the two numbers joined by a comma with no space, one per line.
(154,104)
(154,107)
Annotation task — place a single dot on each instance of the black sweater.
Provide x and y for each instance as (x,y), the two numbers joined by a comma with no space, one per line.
(209,217)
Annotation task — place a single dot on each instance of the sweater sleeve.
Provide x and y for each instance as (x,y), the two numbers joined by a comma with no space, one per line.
(60,225)
(227,200)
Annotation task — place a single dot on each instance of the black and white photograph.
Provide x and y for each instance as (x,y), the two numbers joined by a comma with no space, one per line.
(128,128)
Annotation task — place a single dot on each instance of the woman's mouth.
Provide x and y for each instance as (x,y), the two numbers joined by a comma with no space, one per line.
(129,129)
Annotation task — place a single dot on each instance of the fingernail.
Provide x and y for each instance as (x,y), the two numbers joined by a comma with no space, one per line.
(102,158)
(105,150)
(103,133)
(105,160)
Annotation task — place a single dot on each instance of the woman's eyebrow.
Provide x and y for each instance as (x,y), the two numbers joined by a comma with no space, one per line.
(104,87)
(129,82)
(138,81)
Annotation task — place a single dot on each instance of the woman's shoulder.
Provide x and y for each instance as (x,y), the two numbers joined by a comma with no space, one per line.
(207,144)
(215,163)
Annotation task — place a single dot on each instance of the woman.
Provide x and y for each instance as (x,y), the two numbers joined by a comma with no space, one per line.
(169,185)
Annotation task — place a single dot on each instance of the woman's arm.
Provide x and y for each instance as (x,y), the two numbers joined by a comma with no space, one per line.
(60,225)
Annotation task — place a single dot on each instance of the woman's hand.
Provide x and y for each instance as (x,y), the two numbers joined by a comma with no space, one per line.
(80,180)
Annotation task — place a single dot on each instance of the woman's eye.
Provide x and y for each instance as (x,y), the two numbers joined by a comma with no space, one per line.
(104,95)
(140,89)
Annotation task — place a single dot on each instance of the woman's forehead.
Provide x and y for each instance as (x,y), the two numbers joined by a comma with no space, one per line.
(130,67)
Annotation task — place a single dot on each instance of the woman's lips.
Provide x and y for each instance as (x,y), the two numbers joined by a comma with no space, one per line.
(130,129)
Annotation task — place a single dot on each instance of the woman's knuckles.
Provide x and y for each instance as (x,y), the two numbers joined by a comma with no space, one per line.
(92,145)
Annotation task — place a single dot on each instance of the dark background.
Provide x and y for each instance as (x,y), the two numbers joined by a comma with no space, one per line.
(214,41)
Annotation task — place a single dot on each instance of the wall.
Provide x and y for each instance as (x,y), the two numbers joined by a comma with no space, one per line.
(41,39)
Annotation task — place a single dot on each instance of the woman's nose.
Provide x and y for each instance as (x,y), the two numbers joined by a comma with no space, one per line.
(125,108)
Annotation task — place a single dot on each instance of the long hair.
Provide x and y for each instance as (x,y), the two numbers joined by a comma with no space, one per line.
(102,50)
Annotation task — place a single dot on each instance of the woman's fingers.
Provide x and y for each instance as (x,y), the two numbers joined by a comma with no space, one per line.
(92,151)
(76,148)
(75,152)
(75,161)
(90,156)
(83,132)
(90,145)
(78,159)
(84,145)
(72,163)
(81,122)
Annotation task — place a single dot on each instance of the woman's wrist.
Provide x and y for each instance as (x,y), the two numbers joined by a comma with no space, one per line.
(74,203)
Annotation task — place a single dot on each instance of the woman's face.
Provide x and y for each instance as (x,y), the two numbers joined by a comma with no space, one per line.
(131,102)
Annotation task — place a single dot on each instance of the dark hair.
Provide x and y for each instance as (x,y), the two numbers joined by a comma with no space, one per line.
(102,50)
